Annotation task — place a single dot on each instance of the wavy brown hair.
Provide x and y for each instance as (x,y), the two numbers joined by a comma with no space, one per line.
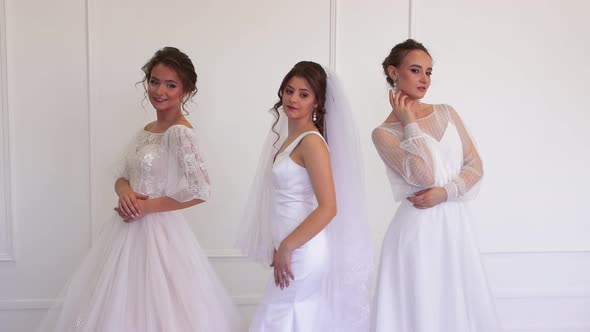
(181,63)
(316,77)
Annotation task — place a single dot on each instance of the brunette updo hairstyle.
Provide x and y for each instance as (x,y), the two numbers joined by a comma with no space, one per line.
(398,53)
(181,63)
(316,77)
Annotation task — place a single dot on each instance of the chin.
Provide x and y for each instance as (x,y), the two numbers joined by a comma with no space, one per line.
(419,95)
(288,112)
(292,114)
(164,109)
(414,96)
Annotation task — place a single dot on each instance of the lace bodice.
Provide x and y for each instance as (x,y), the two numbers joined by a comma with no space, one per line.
(167,164)
(408,152)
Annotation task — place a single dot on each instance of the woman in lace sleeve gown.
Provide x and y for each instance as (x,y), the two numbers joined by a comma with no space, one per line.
(146,271)
(430,277)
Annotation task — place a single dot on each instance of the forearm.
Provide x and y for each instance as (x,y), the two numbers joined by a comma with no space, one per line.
(309,228)
(121,184)
(163,204)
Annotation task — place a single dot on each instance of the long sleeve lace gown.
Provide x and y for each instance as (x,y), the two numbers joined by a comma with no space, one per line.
(430,277)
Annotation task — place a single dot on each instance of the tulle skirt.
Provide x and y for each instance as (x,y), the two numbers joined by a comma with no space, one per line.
(431,278)
(149,275)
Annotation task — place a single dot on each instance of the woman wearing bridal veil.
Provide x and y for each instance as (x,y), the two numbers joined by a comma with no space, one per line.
(307,213)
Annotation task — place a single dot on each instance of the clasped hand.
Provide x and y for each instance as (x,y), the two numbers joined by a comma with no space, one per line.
(427,198)
(131,205)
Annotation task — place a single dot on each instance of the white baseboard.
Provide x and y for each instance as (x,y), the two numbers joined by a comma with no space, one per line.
(44,304)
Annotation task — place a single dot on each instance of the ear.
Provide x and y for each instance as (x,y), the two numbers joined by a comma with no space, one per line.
(392,72)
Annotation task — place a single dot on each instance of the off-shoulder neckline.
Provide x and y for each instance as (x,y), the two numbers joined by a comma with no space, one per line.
(162,133)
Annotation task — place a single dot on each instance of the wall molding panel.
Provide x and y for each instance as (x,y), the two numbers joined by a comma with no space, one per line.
(7,231)
(333,30)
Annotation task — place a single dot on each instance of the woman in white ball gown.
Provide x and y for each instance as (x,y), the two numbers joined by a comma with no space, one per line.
(430,278)
(308,217)
(146,272)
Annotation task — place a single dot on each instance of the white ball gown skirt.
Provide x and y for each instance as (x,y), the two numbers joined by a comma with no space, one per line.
(431,278)
(147,276)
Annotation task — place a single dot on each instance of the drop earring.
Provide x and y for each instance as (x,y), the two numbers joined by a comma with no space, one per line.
(314,116)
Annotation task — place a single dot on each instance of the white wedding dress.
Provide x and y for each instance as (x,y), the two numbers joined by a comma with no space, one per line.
(431,278)
(150,275)
(297,308)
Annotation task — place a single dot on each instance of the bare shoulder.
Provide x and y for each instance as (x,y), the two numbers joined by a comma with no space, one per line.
(149,126)
(184,122)
(313,141)
(314,146)
(314,153)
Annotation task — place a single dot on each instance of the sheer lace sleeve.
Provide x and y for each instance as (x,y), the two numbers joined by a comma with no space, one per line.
(187,175)
(406,152)
(462,185)
(121,168)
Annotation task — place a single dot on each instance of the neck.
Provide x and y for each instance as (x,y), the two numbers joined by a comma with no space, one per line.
(418,106)
(167,118)
(298,126)
(418,101)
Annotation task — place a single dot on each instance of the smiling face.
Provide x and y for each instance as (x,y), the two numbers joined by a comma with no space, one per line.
(165,89)
(298,99)
(413,74)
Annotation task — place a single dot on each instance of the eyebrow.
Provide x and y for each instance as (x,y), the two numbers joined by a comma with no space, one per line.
(292,88)
(429,68)
(173,81)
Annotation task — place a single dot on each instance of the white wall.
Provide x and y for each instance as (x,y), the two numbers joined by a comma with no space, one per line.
(514,70)
(48,124)
(6,227)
